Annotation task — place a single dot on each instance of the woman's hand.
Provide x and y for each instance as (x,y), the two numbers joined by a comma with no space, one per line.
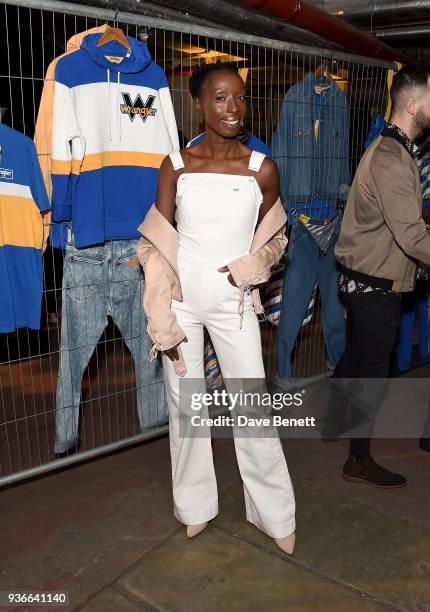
(229,277)
(172,353)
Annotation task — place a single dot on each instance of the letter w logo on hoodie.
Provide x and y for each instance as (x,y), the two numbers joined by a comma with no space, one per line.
(138,107)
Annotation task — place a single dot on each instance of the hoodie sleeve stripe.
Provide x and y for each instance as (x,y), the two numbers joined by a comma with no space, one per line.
(96,161)
(61,167)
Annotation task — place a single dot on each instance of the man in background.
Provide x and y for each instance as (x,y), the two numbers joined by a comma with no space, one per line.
(383,236)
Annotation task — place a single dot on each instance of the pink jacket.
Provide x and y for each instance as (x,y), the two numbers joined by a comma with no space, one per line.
(157,252)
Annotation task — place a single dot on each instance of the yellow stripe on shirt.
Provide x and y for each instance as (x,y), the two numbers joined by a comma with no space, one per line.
(96,161)
(20,222)
(61,167)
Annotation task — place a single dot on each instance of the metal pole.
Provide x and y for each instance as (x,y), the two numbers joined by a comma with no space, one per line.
(406,32)
(378,8)
(80,10)
(83,456)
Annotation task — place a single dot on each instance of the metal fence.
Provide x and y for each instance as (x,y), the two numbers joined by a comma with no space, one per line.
(32,34)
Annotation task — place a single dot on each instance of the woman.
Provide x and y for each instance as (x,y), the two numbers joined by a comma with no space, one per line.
(218,194)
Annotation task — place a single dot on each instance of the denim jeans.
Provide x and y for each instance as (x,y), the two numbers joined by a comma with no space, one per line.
(98,282)
(305,266)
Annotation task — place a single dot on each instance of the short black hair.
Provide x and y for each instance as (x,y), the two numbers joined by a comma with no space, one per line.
(409,78)
(201,73)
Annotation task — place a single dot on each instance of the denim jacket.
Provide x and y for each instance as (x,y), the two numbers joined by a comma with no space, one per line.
(311,167)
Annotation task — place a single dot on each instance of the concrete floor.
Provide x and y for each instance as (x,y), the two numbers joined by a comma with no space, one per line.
(105,533)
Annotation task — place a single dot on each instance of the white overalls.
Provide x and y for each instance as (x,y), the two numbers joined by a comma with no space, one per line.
(216,220)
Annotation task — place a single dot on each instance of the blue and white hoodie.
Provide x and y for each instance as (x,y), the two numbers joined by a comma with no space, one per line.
(113,125)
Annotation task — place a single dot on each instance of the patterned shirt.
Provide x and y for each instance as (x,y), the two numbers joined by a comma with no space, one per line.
(423,142)
(393,131)
(348,285)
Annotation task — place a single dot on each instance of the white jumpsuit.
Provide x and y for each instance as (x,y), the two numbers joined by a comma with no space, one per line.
(216,220)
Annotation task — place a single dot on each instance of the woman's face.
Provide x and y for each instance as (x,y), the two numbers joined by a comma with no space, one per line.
(223,103)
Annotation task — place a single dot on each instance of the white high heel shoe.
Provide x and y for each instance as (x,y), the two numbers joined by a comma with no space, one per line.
(193,530)
(287,544)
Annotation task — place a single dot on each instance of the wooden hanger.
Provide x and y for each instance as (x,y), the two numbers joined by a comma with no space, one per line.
(114,34)
(322,69)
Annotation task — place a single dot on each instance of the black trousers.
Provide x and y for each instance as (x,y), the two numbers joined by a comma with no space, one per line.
(371,331)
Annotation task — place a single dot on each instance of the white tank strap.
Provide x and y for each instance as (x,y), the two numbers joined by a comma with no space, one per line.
(255,161)
(176,159)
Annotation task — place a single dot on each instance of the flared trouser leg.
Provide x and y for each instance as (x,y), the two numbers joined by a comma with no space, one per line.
(269,495)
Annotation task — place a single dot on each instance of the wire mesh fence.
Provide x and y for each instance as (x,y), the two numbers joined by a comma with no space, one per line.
(117,399)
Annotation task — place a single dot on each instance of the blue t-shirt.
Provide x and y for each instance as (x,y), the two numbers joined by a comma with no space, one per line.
(22,199)
(253,143)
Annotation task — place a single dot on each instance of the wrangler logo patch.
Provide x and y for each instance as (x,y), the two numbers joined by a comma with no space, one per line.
(143,110)
(7,174)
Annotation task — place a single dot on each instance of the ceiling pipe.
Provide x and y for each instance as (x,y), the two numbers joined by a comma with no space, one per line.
(220,12)
(407,32)
(150,9)
(378,8)
(253,22)
(322,23)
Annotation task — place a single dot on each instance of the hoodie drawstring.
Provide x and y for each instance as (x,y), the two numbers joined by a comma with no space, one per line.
(118,96)
(119,103)
(110,118)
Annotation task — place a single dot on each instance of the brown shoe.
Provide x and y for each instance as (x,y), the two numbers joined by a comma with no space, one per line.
(367,470)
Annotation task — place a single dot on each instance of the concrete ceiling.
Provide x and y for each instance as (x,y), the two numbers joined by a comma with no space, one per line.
(403,24)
